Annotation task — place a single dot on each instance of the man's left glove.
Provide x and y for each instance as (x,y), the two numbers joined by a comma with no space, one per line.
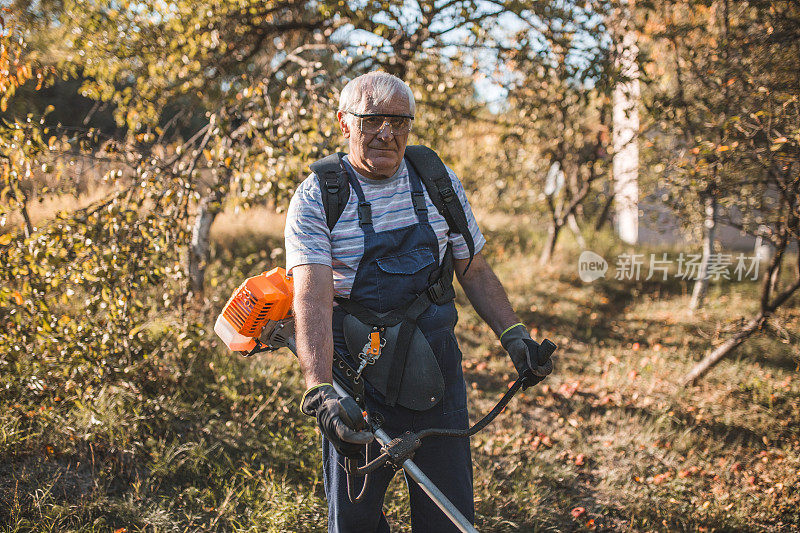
(339,419)
(532,361)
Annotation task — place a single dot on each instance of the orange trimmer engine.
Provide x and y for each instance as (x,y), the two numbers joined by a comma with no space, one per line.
(262,305)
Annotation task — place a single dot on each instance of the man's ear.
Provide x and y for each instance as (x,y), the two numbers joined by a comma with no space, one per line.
(345,127)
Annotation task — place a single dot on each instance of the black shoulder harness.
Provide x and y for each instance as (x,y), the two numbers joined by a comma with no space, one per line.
(335,186)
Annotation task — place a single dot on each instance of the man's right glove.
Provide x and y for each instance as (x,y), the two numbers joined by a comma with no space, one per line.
(339,419)
(532,360)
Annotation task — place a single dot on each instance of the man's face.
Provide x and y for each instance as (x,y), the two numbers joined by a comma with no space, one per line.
(376,155)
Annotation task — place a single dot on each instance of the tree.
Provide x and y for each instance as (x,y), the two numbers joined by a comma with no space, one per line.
(626,121)
(734,110)
(559,110)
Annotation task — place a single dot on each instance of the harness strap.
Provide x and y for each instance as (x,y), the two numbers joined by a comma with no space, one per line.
(348,378)
(334,185)
(436,179)
(332,176)
(439,292)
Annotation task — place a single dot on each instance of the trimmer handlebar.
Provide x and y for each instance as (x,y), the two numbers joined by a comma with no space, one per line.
(546,349)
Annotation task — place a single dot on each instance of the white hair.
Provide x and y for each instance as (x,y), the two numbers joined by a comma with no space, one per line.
(376,87)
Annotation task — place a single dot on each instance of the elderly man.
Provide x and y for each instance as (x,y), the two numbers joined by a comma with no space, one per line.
(380,262)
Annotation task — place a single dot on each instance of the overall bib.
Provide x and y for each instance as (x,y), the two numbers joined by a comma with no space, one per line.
(395,268)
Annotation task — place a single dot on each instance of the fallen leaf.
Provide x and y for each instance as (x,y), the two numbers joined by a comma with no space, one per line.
(660,478)
(578,511)
(567,390)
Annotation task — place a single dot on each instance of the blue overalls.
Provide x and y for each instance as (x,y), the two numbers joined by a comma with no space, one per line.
(394,268)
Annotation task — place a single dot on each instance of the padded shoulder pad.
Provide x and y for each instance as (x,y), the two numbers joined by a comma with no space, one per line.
(334,186)
(434,176)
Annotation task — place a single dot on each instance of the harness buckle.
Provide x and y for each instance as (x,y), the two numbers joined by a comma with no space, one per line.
(364,213)
(447,193)
(418,199)
(372,350)
(331,184)
(437,290)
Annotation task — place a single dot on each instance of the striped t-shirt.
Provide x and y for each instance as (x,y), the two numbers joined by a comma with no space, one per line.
(308,240)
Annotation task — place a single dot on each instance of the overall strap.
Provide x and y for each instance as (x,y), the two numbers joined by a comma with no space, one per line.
(333,184)
(364,207)
(440,189)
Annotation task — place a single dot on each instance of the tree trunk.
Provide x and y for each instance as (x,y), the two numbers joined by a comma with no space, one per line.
(28,224)
(768,307)
(626,130)
(573,225)
(199,246)
(723,350)
(709,231)
(601,220)
(552,232)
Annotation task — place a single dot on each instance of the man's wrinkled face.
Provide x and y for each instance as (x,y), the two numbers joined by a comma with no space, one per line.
(376,155)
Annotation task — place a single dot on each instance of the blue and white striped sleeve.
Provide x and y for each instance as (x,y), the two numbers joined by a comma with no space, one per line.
(460,250)
(307,237)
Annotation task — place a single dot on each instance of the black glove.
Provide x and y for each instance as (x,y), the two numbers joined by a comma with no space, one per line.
(339,419)
(532,360)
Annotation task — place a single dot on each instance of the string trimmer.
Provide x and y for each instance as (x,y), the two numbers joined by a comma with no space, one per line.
(257,318)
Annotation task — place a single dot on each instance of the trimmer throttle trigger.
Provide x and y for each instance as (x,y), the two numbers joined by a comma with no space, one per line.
(352,414)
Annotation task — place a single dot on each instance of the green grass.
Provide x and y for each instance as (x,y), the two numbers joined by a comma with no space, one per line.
(202,440)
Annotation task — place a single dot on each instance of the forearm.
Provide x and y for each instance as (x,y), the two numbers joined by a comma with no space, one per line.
(313,303)
(487,295)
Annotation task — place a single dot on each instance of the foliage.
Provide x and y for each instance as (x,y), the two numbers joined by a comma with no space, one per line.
(119,408)
(733,114)
(197,439)
(730,111)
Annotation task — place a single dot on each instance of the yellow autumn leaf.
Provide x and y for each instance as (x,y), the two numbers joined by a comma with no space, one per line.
(5,239)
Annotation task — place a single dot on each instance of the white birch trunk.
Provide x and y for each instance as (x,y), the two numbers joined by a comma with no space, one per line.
(626,130)
(709,230)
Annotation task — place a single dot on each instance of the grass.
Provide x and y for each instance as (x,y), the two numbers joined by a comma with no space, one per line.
(208,441)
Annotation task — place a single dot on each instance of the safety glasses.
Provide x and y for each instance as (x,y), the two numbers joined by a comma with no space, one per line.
(372,123)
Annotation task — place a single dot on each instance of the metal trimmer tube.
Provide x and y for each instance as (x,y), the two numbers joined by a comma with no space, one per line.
(423,481)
